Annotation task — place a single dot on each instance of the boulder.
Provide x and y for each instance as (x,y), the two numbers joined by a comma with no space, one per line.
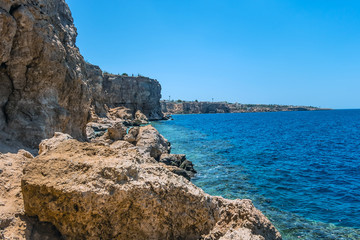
(140,118)
(117,131)
(120,112)
(48,144)
(89,191)
(14,224)
(132,135)
(172,159)
(150,142)
(181,165)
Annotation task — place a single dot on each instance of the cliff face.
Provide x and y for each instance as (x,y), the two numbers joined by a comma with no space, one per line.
(223,107)
(193,107)
(46,86)
(135,93)
(41,73)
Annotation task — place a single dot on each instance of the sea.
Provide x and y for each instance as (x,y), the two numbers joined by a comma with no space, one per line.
(301,169)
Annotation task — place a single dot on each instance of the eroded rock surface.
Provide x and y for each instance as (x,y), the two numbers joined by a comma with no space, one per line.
(135,93)
(90,191)
(41,72)
(46,86)
(150,142)
(14,224)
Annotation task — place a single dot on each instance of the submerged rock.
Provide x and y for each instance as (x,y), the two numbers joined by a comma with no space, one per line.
(90,191)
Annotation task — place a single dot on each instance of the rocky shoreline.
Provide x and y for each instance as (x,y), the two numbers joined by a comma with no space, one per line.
(195,107)
(92,167)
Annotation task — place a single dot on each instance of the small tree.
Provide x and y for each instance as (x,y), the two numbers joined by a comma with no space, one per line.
(125,74)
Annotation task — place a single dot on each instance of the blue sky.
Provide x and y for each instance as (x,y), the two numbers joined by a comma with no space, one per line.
(300,52)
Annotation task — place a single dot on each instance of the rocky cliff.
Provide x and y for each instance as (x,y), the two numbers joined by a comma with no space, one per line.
(41,72)
(135,93)
(46,86)
(184,107)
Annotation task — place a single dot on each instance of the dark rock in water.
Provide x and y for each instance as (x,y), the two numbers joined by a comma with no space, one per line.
(173,159)
(168,117)
(184,166)
(188,166)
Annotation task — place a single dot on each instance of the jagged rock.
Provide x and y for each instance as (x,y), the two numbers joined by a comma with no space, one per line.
(46,86)
(135,93)
(117,131)
(132,135)
(173,159)
(48,144)
(150,142)
(39,57)
(188,166)
(120,112)
(182,166)
(122,145)
(14,224)
(90,191)
(179,171)
(140,118)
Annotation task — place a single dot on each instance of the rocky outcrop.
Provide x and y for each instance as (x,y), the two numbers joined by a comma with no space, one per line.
(90,191)
(46,86)
(134,93)
(151,143)
(41,72)
(14,224)
(193,107)
(188,107)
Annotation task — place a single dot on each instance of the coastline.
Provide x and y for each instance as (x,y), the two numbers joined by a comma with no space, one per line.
(194,107)
(211,149)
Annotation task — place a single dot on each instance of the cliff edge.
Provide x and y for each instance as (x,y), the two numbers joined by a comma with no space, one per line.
(195,107)
(46,86)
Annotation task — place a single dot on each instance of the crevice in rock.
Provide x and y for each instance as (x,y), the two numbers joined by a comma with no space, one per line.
(4,107)
(14,8)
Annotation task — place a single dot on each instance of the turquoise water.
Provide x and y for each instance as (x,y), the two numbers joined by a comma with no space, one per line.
(301,169)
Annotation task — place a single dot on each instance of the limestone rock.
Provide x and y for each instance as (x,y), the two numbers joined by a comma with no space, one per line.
(46,86)
(120,145)
(140,118)
(51,143)
(14,224)
(133,93)
(41,70)
(90,191)
(117,131)
(120,112)
(151,142)
(132,135)
(182,166)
